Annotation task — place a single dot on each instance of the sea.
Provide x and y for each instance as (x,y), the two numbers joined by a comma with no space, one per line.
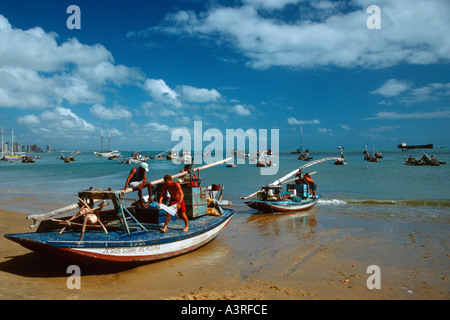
(387,187)
(385,213)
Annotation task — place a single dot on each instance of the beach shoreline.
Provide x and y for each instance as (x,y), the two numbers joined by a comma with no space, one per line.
(331,264)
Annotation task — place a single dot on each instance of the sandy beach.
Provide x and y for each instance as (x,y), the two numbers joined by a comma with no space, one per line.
(327,259)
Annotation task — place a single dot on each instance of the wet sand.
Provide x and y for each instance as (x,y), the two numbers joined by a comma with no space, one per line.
(257,257)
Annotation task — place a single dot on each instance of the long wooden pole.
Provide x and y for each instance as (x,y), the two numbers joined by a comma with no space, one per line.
(181,174)
(281,180)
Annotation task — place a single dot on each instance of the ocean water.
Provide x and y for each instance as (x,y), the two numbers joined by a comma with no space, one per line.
(388,188)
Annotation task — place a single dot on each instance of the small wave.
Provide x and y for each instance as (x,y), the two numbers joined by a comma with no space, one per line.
(393,202)
(331,202)
(386,202)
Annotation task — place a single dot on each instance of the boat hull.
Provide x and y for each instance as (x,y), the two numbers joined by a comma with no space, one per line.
(118,247)
(282,206)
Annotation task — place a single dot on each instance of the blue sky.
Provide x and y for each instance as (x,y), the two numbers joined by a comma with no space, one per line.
(141,69)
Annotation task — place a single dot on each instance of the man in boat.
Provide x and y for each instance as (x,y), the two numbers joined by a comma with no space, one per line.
(311,184)
(194,182)
(176,197)
(138,181)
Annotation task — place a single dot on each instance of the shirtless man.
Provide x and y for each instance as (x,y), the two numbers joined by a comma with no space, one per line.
(138,181)
(176,197)
(312,185)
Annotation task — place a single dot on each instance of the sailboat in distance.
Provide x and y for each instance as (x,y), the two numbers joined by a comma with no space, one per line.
(108,154)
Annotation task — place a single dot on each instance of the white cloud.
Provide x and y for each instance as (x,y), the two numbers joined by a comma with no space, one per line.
(414,34)
(403,91)
(325,130)
(294,121)
(413,115)
(29,120)
(161,92)
(58,125)
(269,4)
(37,72)
(63,119)
(115,113)
(158,127)
(37,50)
(432,91)
(192,94)
(106,72)
(151,109)
(392,87)
(241,110)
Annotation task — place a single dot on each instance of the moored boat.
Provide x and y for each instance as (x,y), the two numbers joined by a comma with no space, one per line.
(341,160)
(272,199)
(297,196)
(426,160)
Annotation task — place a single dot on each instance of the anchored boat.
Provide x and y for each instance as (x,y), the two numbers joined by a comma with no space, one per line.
(125,234)
(297,196)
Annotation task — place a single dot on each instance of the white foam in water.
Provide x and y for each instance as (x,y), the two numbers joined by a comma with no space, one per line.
(331,202)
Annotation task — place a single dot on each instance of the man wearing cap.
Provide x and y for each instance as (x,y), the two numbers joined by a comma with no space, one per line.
(138,181)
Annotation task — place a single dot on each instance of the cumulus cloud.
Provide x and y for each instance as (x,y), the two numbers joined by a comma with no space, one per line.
(392,87)
(157,127)
(57,125)
(324,33)
(404,92)
(63,119)
(241,110)
(38,72)
(115,113)
(161,92)
(192,94)
(29,120)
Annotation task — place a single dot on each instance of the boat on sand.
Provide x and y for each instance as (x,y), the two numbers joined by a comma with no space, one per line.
(125,234)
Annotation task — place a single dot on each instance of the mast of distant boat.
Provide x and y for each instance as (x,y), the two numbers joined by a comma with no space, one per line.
(101,143)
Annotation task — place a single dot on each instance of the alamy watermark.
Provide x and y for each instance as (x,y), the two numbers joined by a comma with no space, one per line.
(74,280)
(74,20)
(374,280)
(374,21)
(256,150)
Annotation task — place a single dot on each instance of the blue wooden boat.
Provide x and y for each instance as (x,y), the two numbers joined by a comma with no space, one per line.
(297,204)
(144,242)
(271,199)
(125,234)
(297,197)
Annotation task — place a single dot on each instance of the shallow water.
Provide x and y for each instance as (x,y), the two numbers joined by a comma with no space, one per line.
(384,213)
(388,187)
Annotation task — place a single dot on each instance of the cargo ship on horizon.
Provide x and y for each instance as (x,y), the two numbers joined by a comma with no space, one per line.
(404,145)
